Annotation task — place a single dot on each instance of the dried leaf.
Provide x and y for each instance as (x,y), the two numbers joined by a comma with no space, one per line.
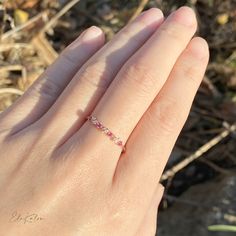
(22,4)
(20,17)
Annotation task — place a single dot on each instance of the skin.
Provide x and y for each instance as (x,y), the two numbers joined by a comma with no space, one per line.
(56,164)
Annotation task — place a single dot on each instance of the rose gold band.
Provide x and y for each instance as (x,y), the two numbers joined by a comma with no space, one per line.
(106,131)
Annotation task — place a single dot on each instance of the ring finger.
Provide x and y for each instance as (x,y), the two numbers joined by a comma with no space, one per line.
(151,142)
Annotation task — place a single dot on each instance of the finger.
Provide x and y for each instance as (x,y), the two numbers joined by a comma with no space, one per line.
(149,223)
(153,139)
(89,84)
(43,93)
(137,84)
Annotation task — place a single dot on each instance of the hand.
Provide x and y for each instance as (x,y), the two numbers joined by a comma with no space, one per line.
(59,174)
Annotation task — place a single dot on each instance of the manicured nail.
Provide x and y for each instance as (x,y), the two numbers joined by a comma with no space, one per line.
(142,13)
(91,33)
(150,15)
(88,34)
(184,16)
(199,48)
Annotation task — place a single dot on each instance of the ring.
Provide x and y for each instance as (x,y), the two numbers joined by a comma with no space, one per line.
(106,131)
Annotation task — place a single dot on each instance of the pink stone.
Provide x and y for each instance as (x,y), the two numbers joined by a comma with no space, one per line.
(120,143)
(109,133)
(98,125)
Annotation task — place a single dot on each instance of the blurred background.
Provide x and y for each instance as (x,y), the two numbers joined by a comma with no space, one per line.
(200,181)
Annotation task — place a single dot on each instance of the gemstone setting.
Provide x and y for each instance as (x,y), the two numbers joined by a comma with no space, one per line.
(106,131)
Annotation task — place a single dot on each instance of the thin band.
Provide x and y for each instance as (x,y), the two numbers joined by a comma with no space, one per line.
(106,131)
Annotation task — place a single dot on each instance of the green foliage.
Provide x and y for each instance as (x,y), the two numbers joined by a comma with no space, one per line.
(222,228)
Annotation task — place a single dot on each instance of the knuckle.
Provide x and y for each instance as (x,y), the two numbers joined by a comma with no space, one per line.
(127,34)
(136,41)
(168,113)
(192,73)
(96,74)
(70,59)
(172,31)
(46,88)
(3,132)
(139,74)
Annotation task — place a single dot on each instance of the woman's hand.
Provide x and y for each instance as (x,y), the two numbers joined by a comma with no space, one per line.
(59,174)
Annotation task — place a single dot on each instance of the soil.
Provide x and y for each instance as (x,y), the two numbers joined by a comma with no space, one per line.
(211,203)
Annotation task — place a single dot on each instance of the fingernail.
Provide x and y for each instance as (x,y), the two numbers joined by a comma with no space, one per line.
(142,13)
(86,35)
(199,48)
(150,15)
(91,33)
(184,16)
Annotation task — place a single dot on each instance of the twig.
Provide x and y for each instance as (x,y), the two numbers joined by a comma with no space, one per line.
(65,9)
(41,15)
(40,42)
(139,9)
(15,68)
(44,48)
(11,90)
(10,33)
(7,46)
(231,156)
(172,171)
(3,18)
(220,68)
(211,87)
